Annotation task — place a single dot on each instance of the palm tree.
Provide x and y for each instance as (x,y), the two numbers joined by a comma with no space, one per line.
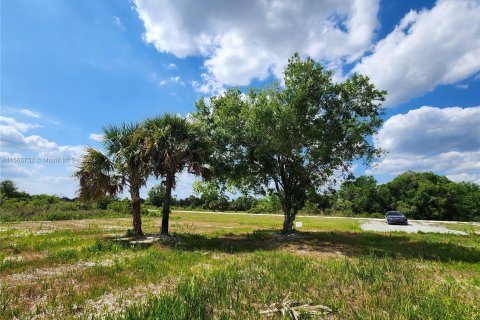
(122,166)
(174,144)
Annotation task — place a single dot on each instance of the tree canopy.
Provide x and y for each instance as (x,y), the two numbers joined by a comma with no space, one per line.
(156,195)
(420,195)
(9,189)
(294,138)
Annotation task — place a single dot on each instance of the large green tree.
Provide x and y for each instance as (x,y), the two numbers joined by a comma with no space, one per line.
(156,195)
(8,189)
(361,194)
(121,166)
(465,201)
(174,144)
(209,193)
(292,138)
(426,195)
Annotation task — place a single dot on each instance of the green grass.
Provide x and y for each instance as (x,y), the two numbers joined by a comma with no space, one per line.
(465,227)
(58,215)
(233,267)
(368,288)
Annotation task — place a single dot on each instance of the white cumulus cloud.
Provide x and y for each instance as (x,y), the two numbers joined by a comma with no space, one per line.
(96,137)
(244,40)
(12,138)
(22,126)
(426,49)
(37,164)
(29,113)
(446,141)
(11,167)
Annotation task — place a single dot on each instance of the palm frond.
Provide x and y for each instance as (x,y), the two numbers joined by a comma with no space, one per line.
(173,144)
(97,177)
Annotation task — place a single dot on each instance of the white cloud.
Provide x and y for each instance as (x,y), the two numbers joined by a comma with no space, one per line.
(430,130)
(29,113)
(37,164)
(172,66)
(445,141)
(96,137)
(11,122)
(4,155)
(10,166)
(245,40)
(177,80)
(56,179)
(209,85)
(118,23)
(173,79)
(12,138)
(64,152)
(465,177)
(427,48)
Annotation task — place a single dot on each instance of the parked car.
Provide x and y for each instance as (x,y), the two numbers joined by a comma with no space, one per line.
(395,217)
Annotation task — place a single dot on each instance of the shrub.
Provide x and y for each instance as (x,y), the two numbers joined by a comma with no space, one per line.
(122,206)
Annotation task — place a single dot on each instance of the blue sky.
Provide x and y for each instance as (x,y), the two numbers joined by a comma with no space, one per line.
(70,67)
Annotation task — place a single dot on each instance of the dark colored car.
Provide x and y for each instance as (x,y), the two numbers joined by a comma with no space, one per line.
(395,217)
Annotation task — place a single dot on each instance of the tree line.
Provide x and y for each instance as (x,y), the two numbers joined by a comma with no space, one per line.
(418,195)
(281,142)
(18,205)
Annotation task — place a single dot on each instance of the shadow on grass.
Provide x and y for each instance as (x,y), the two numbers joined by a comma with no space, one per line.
(349,244)
(428,247)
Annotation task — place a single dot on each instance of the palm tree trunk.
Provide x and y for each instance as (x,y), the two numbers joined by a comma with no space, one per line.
(169,180)
(137,219)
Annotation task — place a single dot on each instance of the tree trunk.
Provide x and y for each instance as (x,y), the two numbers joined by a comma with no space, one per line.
(288,223)
(289,216)
(137,219)
(166,203)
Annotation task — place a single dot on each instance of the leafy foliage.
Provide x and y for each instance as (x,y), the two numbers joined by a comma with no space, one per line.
(430,196)
(8,189)
(418,195)
(359,195)
(294,137)
(156,195)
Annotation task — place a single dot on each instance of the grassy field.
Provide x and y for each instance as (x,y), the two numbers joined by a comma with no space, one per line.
(234,267)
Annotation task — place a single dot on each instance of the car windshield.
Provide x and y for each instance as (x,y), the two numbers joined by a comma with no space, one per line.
(395,213)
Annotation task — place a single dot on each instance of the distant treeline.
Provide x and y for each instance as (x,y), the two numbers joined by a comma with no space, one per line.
(418,195)
(18,205)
